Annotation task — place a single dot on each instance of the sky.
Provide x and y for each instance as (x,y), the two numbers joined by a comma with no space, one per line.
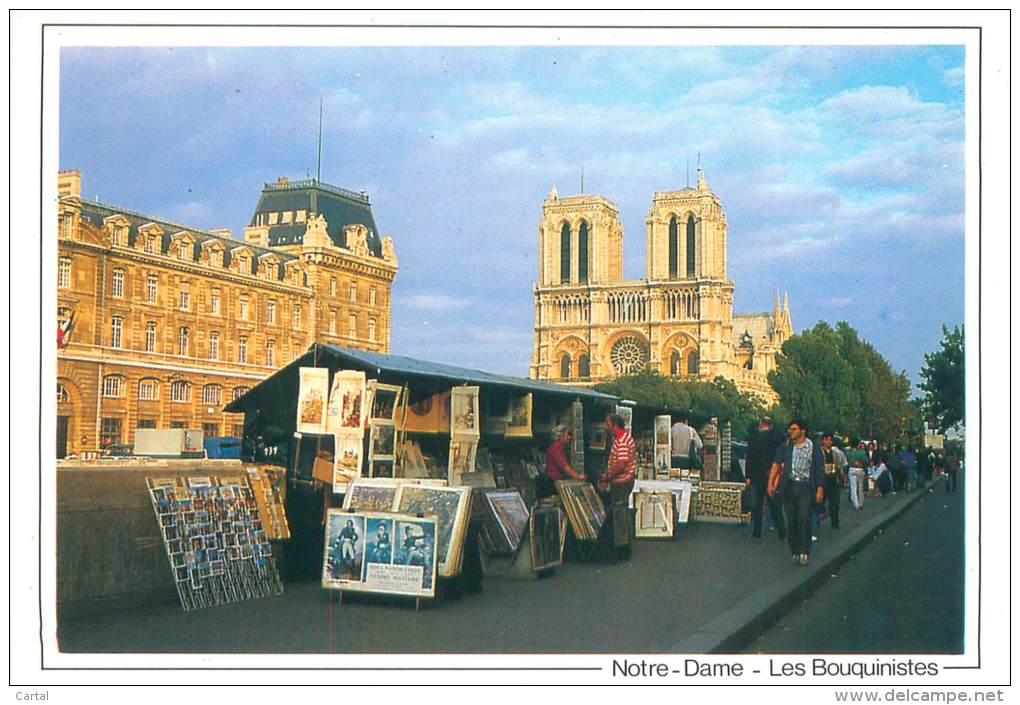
(840,168)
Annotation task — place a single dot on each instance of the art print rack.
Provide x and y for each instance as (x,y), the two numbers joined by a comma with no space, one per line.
(585,514)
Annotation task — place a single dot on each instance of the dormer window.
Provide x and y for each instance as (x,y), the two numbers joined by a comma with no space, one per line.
(150,244)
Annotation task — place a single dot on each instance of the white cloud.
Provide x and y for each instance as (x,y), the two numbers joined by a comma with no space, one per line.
(432,302)
(953,77)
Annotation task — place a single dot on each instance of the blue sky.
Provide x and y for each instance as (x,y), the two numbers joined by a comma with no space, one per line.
(840,168)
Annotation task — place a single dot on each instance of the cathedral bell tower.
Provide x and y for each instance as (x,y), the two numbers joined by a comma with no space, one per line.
(580,240)
(686,234)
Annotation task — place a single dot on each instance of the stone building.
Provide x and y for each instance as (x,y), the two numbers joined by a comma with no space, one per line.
(591,325)
(160,324)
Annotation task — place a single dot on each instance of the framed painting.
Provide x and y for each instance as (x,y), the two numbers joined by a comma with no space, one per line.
(510,514)
(464,418)
(461,460)
(546,538)
(381,441)
(385,402)
(654,516)
(450,506)
(347,457)
(520,416)
(621,524)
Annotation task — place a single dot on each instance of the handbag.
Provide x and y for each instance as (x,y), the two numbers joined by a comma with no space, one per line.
(694,453)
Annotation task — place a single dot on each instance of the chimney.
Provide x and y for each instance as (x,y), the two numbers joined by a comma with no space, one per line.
(69,183)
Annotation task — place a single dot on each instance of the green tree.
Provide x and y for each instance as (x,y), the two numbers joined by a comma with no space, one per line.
(836,381)
(943,381)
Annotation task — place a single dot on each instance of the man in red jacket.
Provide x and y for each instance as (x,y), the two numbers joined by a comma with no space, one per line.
(618,479)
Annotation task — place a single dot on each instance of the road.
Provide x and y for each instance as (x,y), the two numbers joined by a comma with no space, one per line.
(902,593)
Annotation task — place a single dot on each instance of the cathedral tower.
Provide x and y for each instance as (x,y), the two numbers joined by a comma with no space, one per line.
(686,234)
(581,241)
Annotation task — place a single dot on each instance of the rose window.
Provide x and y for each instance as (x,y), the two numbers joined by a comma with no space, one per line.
(628,355)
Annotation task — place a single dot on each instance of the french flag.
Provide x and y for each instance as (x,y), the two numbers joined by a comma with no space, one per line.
(64,332)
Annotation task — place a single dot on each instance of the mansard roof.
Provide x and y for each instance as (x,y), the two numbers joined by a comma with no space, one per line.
(759,325)
(341,208)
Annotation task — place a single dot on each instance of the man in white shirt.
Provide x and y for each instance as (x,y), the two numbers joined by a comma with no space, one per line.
(682,437)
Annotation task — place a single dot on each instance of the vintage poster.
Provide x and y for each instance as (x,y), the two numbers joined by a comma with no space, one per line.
(215,540)
(505,519)
(375,552)
(546,538)
(627,413)
(385,401)
(451,507)
(346,403)
(347,457)
(653,515)
(381,442)
(520,416)
(313,390)
(461,460)
(464,418)
(598,437)
(429,414)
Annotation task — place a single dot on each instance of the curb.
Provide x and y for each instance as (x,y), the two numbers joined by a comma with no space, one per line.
(736,627)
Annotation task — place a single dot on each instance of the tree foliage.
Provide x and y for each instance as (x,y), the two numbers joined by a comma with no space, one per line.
(942,381)
(719,398)
(838,382)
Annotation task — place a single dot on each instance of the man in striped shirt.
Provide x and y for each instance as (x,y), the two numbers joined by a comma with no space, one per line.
(618,479)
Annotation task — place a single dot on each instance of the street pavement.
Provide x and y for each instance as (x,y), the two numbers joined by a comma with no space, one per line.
(902,594)
(700,593)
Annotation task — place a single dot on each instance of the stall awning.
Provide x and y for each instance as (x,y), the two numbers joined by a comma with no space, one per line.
(397,367)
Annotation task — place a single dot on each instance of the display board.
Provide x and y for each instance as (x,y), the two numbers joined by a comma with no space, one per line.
(546,537)
(681,490)
(505,520)
(380,552)
(269,484)
(313,394)
(654,516)
(719,501)
(451,506)
(379,494)
(583,507)
(215,540)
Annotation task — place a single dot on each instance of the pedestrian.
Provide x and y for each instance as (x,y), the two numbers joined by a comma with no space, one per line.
(761,449)
(798,476)
(835,465)
(618,479)
(952,467)
(685,443)
(857,475)
(556,465)
(907,462)
(879,473)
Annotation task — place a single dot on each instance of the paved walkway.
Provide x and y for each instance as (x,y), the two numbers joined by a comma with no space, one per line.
(689,596)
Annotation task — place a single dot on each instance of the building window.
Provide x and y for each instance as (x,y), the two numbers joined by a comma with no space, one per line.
(565,253)
(352,326)
(113,386)
(210,430)
(150,336)
(242,349)
(151,287)
(674,363)
(332,321)
(240,392)
(565,366)
(185,252)
(332,286)
(296,322)
(146,423)
(271,311)
(116,330)
(211,394)
(110,433)
(65,226)
(178,424)
(582,252)
(371,329)
(214,346)
(270,353)
(583,367)
(237,430)
(692,362)
(120,235)
(150,244)
(353,292)
(62,395)
(148,390)
(185,296)
(371,296)
(242,308)
(117,284)
(690,247)
(183,335)
(180,391)
(64,273)
(214,302)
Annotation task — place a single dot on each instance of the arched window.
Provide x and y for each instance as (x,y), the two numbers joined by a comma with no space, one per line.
(674,363)
(583,367)
(565,366)
(674,248)
(582,253)
(692,362)
(62,395)
(148,389)
(690,246)
(180,391)
(565,253)
(239,392)
(211,394)
(113,386)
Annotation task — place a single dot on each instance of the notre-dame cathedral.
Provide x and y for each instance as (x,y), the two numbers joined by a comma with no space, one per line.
(591,325)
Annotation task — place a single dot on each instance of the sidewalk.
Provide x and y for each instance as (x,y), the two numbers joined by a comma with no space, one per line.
(708,591)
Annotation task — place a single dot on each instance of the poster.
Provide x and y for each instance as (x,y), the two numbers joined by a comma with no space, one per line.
(385,401)
(461,459)
(346,413)
(520,416)
(653,515)
(465,421)
(546,537)
(347,457)
(313,390)
(451,507)
(376,552)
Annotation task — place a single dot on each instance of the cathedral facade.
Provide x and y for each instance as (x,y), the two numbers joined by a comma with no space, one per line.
(591,325)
